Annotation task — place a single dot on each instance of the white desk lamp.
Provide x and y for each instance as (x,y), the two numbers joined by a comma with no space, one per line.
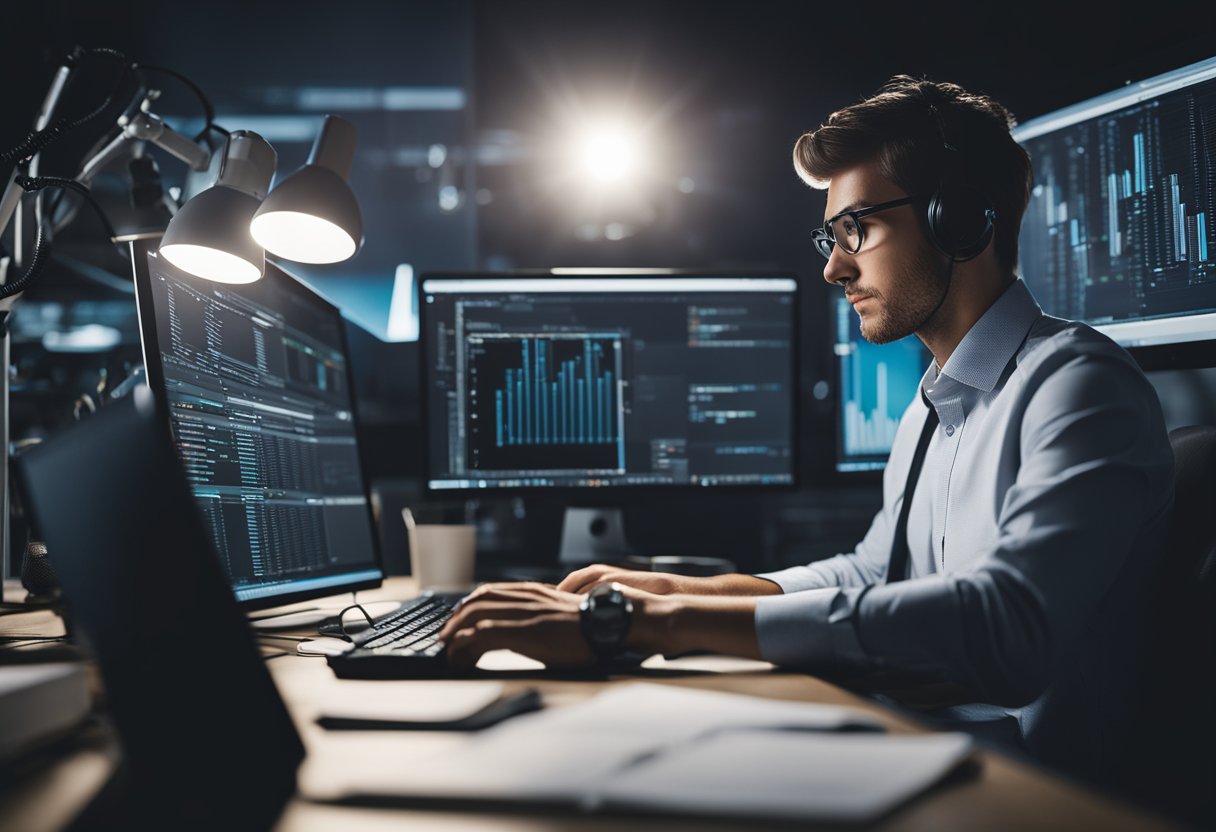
(221,233)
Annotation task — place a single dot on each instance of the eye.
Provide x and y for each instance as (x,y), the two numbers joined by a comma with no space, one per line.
(849,226)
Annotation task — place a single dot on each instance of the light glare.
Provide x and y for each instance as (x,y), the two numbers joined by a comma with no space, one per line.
(211,263)
(302,237)
(609,154)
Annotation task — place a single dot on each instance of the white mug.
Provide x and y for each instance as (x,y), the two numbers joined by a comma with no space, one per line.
(441,556)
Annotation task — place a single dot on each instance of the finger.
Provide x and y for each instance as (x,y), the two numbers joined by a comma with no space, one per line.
(469,644)
(462,648)
(470,604)
(488,611)
(625,577)
(487,589)
(592,584)
(510,592)
(531,596)
(492,592)
(577,580)
(551,638)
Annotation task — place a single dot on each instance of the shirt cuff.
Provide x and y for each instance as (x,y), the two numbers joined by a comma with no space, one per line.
(797,579)
(813,627)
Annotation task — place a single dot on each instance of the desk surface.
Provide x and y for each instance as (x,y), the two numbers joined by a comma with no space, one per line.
(1004,794)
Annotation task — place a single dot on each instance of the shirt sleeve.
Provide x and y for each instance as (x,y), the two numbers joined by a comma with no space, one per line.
(867,563)
(1095,465)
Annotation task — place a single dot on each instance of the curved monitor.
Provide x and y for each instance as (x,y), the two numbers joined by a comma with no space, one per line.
(1120,231)
(594,381)
(257,384)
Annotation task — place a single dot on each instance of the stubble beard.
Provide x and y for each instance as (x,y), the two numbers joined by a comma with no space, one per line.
(914,294)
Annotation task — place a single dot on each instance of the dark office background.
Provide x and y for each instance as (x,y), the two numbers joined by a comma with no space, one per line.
(462,109)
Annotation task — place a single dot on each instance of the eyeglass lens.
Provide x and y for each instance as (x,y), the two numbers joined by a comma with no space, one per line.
(847,232)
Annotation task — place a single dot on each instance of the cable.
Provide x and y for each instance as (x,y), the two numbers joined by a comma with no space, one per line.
(41,245)
(36,141)
(37,183)
(37,261)
(208,108)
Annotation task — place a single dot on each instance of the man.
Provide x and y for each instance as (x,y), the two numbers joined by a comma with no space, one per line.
(1045,473)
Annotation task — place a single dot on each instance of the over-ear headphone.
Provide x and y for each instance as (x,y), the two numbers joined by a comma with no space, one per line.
(959,217)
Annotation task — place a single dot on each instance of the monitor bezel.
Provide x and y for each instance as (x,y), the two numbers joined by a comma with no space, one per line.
(1191,353)
(154,371)
(612,494)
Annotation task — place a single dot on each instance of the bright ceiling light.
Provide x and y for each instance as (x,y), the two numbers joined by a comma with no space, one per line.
(609,153)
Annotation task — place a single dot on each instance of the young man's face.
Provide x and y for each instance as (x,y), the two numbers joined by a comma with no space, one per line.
(896,278)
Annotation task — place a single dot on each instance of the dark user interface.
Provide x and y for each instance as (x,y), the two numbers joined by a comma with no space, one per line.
(1120,221)
(610,387)
(260,403)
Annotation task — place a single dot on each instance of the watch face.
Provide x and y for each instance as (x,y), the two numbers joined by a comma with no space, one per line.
(608,618)
(606,615)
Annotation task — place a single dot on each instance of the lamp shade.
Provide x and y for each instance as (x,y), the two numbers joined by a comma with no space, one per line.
(209,237)
(312,216)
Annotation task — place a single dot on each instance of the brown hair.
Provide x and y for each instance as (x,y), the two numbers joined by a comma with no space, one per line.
(897,128)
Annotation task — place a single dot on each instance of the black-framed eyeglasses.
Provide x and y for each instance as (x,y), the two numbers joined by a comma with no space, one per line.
(845,229)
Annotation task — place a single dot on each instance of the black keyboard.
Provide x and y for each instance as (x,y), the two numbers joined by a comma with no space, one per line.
(401,645)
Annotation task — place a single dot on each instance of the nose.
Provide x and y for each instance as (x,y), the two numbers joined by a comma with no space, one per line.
(841,267)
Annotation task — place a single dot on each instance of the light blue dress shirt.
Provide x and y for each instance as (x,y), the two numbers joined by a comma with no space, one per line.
(1043,503)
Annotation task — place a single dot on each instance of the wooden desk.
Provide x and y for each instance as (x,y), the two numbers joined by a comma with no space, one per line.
(1004,794)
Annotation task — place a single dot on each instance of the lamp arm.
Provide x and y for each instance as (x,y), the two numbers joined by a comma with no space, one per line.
(151,128)
(93,165)
(58,84)
(10,200)
(145,127)
(12,191)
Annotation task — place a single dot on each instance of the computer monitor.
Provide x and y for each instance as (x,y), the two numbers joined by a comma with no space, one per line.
(592,385)
(877,382)
(1120,231)
(257,384)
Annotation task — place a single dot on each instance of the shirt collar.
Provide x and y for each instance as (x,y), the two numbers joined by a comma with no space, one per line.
(982,356)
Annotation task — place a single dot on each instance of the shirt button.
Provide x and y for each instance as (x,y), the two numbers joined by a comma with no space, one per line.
(949,430)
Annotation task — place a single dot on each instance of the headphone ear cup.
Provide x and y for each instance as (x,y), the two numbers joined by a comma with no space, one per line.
(934,223)
(959,221)
(975,247)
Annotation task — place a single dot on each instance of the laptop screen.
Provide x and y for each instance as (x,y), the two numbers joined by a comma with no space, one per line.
(257,385)
(189,693)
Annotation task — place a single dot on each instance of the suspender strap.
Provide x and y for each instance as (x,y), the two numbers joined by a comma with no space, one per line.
(897,569)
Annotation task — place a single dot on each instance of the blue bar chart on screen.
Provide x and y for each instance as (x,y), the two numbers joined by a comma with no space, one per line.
(877,381)
(588,380)
(554,396)
(1118,231)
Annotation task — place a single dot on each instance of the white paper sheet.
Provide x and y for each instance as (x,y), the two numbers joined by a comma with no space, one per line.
(783,774)
(666,714)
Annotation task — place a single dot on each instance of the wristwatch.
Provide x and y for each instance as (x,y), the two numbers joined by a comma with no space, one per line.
(606,614)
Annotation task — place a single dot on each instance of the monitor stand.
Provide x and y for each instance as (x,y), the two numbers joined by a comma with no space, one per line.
(593,535)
